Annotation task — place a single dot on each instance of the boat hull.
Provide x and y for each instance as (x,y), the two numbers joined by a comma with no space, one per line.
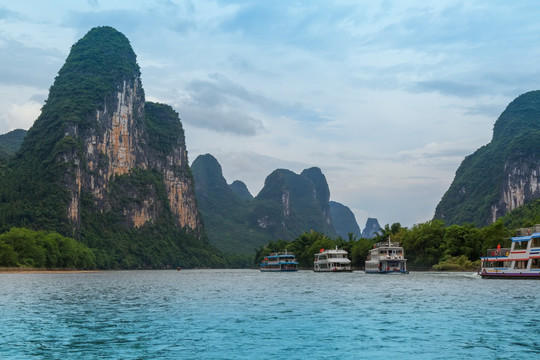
(387,272)
(515,276)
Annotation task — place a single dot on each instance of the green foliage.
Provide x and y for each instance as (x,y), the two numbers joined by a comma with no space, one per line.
(476,186)
(456,263)
(34,184)
(237,225)
(226,216)
(10,143)
(40,249)
(307,244)
(160,244)
(31,190)
(163,126)
(427,245)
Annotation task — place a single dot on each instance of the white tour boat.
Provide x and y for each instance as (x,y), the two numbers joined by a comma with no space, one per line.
(280,261)
(386,258)
(331,260)
(520,261)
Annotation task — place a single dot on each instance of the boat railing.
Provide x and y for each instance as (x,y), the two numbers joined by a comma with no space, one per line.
(282,253)
(387,244)
(498,252)
(391,257)
(282,261)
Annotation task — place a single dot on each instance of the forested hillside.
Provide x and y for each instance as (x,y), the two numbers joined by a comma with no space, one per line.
(502,175)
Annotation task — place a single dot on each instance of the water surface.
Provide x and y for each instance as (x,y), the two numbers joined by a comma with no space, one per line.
(246,314)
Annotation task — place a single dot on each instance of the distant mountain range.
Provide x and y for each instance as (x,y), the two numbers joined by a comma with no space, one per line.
(286,206)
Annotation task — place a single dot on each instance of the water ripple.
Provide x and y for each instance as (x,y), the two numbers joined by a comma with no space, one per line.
(245,314)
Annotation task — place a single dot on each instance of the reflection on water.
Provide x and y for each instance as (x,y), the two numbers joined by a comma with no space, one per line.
(246,314)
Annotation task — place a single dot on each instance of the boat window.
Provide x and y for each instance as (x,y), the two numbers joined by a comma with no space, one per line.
(535,242)
(535,263)
(520,264)
(520,245)
(494,264)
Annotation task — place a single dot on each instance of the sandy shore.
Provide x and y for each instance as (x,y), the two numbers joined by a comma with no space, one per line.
(16,270)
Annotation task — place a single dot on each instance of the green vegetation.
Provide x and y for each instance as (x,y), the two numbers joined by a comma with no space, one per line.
(35,183)
(457,263)
(160,244)
(21,247)
(10,143)
(32,194)
(429,245)
(284,207)
(308,244)
(163,126)
(479,179)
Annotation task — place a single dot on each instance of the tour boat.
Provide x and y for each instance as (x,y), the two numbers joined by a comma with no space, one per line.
(280,261)
(386,258)
(331,260)
(520,261)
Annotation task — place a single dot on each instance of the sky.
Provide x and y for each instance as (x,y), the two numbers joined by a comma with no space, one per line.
(385,97)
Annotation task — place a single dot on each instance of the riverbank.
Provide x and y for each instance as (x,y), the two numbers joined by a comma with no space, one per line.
(19,270)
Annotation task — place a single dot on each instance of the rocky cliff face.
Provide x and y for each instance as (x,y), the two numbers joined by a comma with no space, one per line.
(115,143)
(103,165)
(290,204)
(372,226)
(502,175)
(520,185)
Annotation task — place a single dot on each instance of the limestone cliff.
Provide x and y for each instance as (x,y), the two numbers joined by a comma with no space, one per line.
(502,175)
(372,227)
(520,185)
(114,142)
(100,162)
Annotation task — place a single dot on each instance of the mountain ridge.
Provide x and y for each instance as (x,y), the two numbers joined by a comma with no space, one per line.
(287,205)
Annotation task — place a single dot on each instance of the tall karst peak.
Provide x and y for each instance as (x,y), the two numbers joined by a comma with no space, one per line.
(103,154)
(502,175)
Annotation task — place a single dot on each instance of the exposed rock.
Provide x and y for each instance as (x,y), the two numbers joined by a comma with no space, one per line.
(372,226)
(502,175)
(102,165)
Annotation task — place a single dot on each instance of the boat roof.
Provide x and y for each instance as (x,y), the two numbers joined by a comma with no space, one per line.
(334,251)
(526,238)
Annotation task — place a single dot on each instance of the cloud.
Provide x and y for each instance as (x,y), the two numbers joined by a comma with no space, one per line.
(221,120)
(19,116)
(18,62)
(453,88)
(222,105)
(166,16)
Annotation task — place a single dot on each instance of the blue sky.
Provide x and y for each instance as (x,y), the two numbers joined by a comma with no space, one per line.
(386,97)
